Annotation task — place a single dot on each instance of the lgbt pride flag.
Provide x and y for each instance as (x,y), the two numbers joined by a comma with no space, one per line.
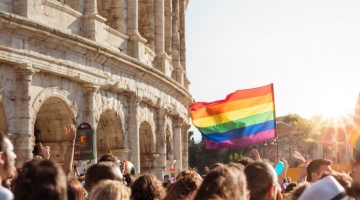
(243,118)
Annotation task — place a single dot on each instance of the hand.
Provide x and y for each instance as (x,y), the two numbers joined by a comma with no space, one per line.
(206,169)
(45,150)
(70,132)
(302,172)
(255,152)
(285,163)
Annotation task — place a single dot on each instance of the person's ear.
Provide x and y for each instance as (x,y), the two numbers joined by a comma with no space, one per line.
(314,177)
(2,158)
(271,192)
(192,195)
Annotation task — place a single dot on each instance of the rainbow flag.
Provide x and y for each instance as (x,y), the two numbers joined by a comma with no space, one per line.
(243,118)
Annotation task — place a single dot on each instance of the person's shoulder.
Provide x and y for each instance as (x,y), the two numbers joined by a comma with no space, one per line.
(6,194)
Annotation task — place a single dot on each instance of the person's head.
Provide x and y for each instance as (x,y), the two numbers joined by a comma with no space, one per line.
(101,171)
(262,180)
(299,189)
(110,190)
(129,179)
(41,180)
(75,190)
(166,178)
(184,173)
(7,157)
(223,182)
(289,188)
(316,168)
(245,161)
(109,158)
(184,188)
(147,187)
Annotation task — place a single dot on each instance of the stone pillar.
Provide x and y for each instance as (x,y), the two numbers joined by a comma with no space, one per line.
(168,26)
(136,43)
(161,144)
(21,6)
(90,111)
(93,23)
(159,27)
(177,144)
(182,34)
(185,146)
(133,131)
(24,138)
(176,44)
(89,104)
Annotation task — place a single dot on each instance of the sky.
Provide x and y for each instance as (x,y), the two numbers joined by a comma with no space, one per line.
(309,50)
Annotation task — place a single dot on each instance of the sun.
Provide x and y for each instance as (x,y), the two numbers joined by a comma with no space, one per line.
(336,111)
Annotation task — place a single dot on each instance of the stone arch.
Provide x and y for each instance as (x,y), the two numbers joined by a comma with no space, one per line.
(110,134)
(146,22)
(147,147)
(115,13)
(51,112)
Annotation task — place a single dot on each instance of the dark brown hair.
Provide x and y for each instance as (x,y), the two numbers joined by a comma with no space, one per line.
(41,180)
(260,177)
(314,167)
(99,172)
(226,182)
(147,187)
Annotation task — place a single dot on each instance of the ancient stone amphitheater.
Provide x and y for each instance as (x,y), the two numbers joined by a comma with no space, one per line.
(118,65)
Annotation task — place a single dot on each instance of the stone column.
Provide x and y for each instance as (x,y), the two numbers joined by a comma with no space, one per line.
(182,34)
(176,44)
(177,144)
(159,27)
(133,131)
(93,23)
(185,146)
(136,43)
(90,111)
(24,138)
(161,144)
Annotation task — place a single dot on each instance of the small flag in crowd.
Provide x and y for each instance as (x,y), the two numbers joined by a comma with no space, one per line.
(243,118)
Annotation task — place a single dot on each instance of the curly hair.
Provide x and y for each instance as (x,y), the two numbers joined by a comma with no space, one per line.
(183,187)
(147,187)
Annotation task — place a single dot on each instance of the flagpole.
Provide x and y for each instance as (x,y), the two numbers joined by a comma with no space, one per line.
(277,142)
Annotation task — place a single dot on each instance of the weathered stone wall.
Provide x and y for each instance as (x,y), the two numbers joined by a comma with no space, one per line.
(61,62)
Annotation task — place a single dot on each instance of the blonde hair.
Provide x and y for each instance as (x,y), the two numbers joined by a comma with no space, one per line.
(110,190)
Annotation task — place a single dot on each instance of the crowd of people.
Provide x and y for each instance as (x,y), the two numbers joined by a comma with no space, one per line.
(41,178)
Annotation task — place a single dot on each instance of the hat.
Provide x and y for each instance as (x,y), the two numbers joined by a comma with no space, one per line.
(327,188)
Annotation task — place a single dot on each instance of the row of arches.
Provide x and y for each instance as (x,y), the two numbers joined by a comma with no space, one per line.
(54,114)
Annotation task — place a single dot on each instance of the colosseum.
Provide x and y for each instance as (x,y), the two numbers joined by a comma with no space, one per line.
(118,65)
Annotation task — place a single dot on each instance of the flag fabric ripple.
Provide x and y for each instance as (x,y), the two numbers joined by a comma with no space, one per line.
(243,118)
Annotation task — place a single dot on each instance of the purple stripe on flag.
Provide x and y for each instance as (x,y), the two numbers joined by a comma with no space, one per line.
(241,142)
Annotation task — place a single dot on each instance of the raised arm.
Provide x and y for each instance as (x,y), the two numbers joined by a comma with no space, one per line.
(255,152)
(70,133)
(283,173)
(45,150)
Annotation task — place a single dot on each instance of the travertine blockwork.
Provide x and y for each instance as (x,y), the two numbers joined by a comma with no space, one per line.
(117,64)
